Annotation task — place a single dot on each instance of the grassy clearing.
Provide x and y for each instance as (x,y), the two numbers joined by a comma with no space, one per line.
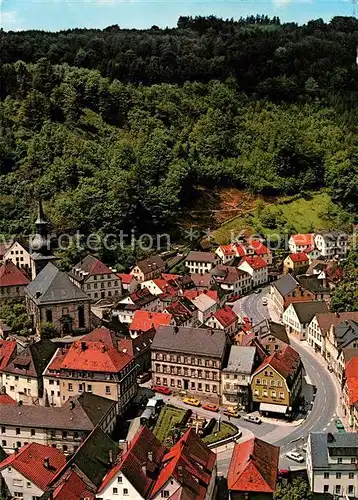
(226,430)
(313,213)
(168,418)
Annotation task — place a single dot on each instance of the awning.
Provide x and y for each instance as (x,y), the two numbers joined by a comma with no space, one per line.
(273,408)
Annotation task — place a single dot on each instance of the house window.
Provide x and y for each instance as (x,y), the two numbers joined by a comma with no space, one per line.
(89,387)
(65,447)
(120,479)
(64,434)
(339,460)
(326,475)
(351,475)
(49,315)
(115,491)
(325,488)
(17,431)
(33,432)
(70,387)
(18,494)
(165,494)
(18,444)
(207,387)
(350,489)
(17,482)
(3,443)
(3,430)
(282,396)
(108,389)
(81,316)
(353,460)
(338,475)
(125,491)
(338,489)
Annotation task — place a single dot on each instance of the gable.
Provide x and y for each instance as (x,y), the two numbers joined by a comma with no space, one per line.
(261,374)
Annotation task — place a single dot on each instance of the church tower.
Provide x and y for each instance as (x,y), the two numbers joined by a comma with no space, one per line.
(40,248)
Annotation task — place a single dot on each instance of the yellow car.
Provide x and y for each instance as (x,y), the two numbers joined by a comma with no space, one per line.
(191,401)
(231,412)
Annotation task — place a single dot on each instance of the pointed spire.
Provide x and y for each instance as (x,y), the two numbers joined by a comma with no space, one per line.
(40,214)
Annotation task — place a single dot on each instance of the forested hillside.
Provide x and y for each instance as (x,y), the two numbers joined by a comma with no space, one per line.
(115,128)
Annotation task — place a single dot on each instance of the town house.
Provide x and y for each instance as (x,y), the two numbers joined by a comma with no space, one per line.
(332,243)
(257,268)
(272,336)
(340,336)
(201,262)
(232,281)
(300,242)
(298,316)
(296,263)
(64,428)
(287,290)
(96,279)
(95,367)
(320,326)
(189,359)
(12,281)
(224,319)
(141,299)
(276,383)
(350,392)
(148,269)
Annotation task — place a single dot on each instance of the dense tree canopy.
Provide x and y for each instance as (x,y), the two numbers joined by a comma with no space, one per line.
(115,128)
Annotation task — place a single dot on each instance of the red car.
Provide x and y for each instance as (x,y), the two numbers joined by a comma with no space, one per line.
(210,407)
(162,389)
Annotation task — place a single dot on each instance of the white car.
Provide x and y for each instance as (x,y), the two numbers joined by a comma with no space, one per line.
(253,419)
(294,455)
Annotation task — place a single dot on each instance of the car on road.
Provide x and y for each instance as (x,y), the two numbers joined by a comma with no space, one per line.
(253,419)
(191,401)
(231,412)
(295,456)
(210,407)
(339,425)
(264,301)
(258,290)
(144,377)
(162,389)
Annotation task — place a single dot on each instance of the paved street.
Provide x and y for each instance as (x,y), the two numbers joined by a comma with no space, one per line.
(323,413)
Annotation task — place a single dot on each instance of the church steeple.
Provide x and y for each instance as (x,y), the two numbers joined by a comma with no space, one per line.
(41,224)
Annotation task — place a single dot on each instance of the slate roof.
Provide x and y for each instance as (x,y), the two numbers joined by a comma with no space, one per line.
(201,257)
(88,411)
(135,347)
(201,280)
(29,461)
(201,341)
(53,286)
(32,361)
(131,463)
(253,467)
(334,444)
(326,320)
(10,275)
(345,332)
(241,359)
(285,285)
(307,310)
(312,283)
(267,327)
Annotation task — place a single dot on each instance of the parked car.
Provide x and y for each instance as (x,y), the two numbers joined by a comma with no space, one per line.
(295,456)
(191,401)
(264,301)
(253,419)
(210,407)
(339,425)
(144,377)
(231,412)
(162,389)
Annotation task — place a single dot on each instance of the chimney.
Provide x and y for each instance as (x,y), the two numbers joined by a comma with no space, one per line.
(103,348)
(38,294)
(47,462)
(150,456)
(83,346)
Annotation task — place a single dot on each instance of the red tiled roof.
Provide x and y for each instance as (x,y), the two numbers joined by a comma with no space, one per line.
(56,362)
(10,275)
(170,277)
(145,320)
(190,462)
(7,351)
(72,487)
(125,278)
(309,249)
(239,249)
(225,316)
(259,248)
(131,463)
(255,262)
(227,250)
(303,239)
(298,257)
(284,362)
(29,461)
(192,294)
(352,380)
(93,266)
(96,357)
(326,320)
(253,467)
(5,399)
(101,334)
